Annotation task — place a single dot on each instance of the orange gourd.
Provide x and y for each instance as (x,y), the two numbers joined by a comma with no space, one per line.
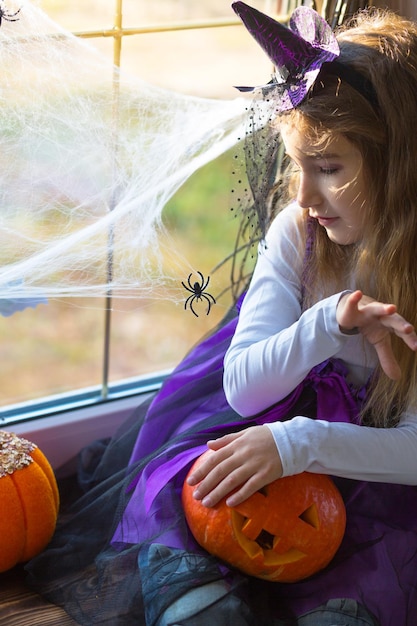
(29,500)
(286,532)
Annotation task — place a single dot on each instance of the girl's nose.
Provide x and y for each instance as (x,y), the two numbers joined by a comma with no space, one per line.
(308,194)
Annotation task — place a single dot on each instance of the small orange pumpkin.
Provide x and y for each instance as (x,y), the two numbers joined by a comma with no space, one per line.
(29,500)
(286,532)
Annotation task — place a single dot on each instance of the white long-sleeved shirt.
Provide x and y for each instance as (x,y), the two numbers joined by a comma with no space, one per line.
(275,346)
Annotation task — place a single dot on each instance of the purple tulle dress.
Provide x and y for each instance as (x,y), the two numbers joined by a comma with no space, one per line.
(123,553)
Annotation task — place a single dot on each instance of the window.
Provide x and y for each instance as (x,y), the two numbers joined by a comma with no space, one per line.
(88,349)
(76,350)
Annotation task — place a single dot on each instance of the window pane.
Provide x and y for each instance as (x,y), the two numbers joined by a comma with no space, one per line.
(79,15)
(155,334)
(151,11)
(58,346)
(203,62)
(54,348)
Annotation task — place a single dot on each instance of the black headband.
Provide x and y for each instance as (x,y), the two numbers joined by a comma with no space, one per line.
(354,78)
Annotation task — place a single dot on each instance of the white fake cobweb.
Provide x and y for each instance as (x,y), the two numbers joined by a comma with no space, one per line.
(88,160)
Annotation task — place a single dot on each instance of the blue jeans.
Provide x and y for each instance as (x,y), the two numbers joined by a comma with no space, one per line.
(171,597)
(342,612)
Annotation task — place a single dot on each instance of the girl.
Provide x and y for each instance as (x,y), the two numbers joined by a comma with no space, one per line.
(320,368)
(355,208)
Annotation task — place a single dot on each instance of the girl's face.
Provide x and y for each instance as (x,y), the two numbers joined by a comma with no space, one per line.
(331,184)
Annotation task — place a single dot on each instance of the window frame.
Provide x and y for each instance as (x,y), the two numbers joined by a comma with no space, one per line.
(97,397)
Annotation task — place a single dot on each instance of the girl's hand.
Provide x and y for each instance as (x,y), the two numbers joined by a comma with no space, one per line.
(376,321)
(242,463)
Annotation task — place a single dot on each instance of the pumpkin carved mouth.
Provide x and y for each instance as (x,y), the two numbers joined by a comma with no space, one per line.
(260,538)
(286,532)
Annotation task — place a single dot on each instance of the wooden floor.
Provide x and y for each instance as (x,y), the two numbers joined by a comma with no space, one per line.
(19,606)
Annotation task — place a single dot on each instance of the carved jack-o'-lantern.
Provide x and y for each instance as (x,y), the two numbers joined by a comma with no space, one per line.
(288,531)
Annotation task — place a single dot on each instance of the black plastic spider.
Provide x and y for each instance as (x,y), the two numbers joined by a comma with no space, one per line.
(198,293)
(9,17)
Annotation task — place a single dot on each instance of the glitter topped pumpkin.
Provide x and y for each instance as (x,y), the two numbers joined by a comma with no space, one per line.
(286,532)
(29,500)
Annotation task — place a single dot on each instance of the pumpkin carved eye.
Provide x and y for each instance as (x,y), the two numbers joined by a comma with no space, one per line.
(286,532)
(310,516)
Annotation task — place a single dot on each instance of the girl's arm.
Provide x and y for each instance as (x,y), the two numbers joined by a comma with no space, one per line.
(347,450)
(260,373)
(275,345)
(242,463)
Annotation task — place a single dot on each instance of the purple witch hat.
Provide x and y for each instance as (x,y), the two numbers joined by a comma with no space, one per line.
(297,52)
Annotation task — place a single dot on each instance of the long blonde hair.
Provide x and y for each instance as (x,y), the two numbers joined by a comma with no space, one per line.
(383,47)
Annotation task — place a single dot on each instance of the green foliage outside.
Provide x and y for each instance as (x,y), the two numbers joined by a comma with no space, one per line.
(200,213)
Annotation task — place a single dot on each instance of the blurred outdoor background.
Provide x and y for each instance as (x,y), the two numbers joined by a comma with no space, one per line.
(59,347)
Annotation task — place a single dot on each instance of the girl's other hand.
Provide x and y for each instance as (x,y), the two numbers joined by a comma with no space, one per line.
(241,463)
(376,321)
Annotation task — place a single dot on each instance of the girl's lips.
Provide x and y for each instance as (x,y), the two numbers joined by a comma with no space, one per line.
(326,221)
